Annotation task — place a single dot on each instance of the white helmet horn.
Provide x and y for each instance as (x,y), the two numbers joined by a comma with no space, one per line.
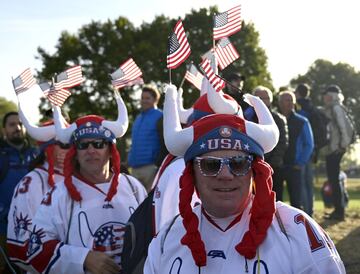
(177,140)
(266,133)
(120,126)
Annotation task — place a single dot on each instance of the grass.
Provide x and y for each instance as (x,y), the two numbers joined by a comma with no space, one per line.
(346,234)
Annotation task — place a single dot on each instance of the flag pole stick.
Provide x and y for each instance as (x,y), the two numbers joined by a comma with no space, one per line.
(170,76)
(182,82)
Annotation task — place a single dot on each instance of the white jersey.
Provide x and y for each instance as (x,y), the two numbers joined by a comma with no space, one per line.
(27,197)
(64,231)
(303,248)
(166,195)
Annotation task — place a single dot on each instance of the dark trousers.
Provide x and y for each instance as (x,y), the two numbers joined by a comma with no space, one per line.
(333,169)
(293,179)
(278,183)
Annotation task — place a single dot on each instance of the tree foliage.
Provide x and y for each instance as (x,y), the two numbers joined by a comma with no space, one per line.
(101,47)
(6,106)
(323,73)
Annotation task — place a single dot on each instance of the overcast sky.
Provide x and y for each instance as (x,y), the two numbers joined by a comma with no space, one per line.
(293,33)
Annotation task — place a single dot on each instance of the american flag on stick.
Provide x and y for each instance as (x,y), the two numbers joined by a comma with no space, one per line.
(178,47)
(210,55)
(225,53)
(127,74)
(24,81)
(227,23)
(194,76)
(56,97)
(214,80)
(69,78)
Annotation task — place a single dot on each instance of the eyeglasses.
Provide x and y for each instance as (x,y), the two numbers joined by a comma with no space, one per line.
(97,144)
(63,146)
(211,166)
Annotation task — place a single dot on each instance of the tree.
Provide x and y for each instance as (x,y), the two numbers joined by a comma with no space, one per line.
(323,73)
(101,47)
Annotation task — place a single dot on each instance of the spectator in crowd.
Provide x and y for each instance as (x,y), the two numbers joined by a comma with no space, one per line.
(340,140)
(79,225)
(301,145)
(238,227)
(46,171)
(275,157)
(147,145)
(306,109)
(234,87)
(15,156)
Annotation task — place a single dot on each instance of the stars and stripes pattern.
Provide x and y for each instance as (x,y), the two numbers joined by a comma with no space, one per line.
(178,47)
(24,81)
(194,76)
(225,53)
(127,74)
(56,97)
(210,55)
(214,80)
(69,78)
(227,23)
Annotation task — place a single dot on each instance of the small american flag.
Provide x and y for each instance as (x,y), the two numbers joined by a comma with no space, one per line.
(227,23)
(69,78)
(194,76)
(24,81)
(56,97)
(214,80)
(211,57)
(225,53)
(127,74)
(178,47)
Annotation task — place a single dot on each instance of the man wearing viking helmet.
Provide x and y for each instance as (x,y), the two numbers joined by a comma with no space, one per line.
(31,189)
(82,221)
(238,226)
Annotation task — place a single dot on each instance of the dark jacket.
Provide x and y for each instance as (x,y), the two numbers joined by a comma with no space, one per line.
(276,156)
(14,164)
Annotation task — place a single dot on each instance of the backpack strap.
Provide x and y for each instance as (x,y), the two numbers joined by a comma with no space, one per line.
(132,186)
(281,224)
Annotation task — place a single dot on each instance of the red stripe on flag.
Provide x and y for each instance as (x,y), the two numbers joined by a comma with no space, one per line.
(226,55)
(214,80)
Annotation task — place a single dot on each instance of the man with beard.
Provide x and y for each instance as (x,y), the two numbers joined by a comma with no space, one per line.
(15,156)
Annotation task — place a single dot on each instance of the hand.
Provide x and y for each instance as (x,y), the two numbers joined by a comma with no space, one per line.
(100,263)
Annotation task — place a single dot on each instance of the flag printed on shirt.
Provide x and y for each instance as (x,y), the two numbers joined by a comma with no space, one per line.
(194,76)
(24,81)
(127,74)
(178,47)
(225,53)
(214,80)
(227,23)
(56,97)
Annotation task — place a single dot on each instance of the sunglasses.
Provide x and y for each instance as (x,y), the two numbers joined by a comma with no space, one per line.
(211,166)
(63,146)
(97,144)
